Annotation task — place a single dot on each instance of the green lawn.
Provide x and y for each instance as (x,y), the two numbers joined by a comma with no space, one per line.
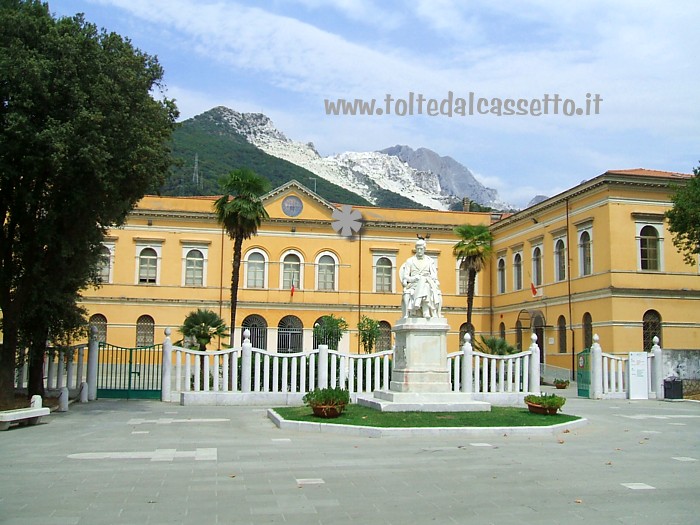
(367,417)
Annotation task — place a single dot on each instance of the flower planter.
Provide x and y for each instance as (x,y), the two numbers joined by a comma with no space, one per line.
(328,411)
(539,409)
(561,386)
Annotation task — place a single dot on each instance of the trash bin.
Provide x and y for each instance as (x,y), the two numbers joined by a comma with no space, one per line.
(673,389)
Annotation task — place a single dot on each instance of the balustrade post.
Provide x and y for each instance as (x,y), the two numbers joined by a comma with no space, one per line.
(534,379)
(323,367)
(467,371)
(246,362)
(93,356)
(70,375)
(51,369)
(167,367)
(60,356)
(596,391)
(657,377)
(63,400)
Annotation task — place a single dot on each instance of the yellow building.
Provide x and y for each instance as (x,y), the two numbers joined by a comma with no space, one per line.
(171,258)
(596,258)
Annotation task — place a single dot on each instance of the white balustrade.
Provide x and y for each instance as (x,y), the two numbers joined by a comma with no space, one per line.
(480,373)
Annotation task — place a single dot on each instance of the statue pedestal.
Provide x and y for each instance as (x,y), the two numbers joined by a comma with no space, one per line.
(420,380)
(420,356)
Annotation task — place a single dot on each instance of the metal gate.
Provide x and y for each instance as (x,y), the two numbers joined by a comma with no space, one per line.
(129,373)
(583,373)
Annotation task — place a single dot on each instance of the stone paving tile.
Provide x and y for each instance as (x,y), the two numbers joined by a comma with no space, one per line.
(574,477)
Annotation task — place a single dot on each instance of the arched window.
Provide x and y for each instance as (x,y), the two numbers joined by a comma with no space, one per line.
(501,275)
(502,331)
(289,334)
(538,325)
(255,271)
(519,335)
(99,321)
(258,331)
(319,340)
(463,330)
(537,266)
(194,268)
(585,253)
(560,260)
(518,272)
(104,265)
(145,329)
(291,272)
(326,272)
(384,339)
(383,272)
(587,325)
(561,332)
(148,266)
(651,327)
(649,248)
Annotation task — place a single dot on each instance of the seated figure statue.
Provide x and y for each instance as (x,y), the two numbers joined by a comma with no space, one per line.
(421,293)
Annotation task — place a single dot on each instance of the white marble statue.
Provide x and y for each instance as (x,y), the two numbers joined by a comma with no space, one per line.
(421,289)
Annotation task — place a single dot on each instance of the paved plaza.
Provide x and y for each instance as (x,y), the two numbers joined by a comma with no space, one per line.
(146,462)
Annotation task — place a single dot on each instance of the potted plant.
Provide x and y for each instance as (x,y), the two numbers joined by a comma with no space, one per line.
(544,403)
(327,402)
(561,383)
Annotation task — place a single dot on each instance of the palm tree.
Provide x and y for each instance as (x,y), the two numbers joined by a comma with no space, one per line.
(202,326)
(473,252)
(241,212)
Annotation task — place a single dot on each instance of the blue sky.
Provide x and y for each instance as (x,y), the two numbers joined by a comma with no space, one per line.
(283,58)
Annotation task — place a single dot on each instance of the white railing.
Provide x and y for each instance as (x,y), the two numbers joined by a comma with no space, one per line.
(615,378)
(610,373)
(365,372)
(285,376)
(63,367)
(496,378)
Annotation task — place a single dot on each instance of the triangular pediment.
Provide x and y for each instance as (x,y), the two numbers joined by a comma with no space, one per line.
(293,200)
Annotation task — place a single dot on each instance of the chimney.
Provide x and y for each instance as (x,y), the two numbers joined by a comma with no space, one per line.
(466,204)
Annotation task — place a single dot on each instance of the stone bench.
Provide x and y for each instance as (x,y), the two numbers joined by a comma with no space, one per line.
(22,416)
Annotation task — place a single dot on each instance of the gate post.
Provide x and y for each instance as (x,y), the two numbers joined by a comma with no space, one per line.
(322,366)
(534,379)
(167,362)
(657,372)
(467,365)
(246,361)
(596,369)
(93,353)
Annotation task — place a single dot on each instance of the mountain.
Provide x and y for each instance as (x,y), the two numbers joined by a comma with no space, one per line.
(219,149)
(452,177)
(223,139)
(536,200)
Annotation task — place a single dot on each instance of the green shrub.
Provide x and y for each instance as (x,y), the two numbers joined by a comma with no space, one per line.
(552,401)
(327,397)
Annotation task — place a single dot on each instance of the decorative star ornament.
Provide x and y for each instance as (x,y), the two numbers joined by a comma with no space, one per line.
(347,221)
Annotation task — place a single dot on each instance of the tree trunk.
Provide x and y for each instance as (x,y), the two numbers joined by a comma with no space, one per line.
(470,300)
(37,353)
(8,352)
(235,277)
